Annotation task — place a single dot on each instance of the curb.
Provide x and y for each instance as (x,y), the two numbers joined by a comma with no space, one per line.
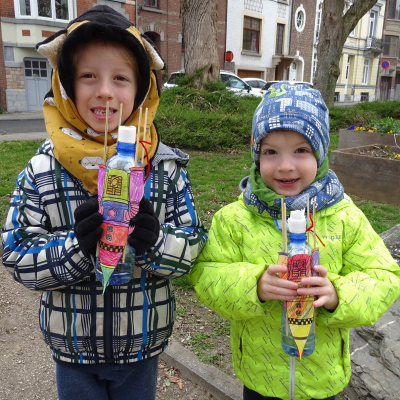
(21,116)
(23,136)
(210,378)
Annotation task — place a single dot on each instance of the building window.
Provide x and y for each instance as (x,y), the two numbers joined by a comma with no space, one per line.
(300,18)
(150,3)
(280,28)
(61,10)
(251,34)
(393,12)
(372,23)
(364,96)
(390,45)
(314,64)
(398,79)
(318,23)
(365,76)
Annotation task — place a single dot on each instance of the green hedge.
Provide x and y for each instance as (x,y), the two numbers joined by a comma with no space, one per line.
(215,119)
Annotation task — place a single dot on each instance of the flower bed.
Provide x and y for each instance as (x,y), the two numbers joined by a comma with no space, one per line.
(349,139)
(385,131)
(367,175)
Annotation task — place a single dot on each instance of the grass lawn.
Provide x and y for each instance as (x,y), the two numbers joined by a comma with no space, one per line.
(215,179)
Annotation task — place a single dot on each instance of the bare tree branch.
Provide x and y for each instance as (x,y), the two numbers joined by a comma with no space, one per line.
(358,9)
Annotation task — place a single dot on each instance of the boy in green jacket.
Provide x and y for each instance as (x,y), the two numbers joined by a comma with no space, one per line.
(237,273)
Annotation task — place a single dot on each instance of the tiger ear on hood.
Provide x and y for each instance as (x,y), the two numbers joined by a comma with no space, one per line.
(49,48)
(155,59)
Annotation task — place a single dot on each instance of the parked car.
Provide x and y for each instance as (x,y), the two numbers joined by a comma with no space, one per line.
(232,82)
(270,83)
(256,83)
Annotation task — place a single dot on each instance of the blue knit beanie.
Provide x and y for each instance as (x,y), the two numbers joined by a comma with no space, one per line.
(292,107)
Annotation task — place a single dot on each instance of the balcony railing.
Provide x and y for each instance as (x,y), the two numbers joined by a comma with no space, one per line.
(373,44)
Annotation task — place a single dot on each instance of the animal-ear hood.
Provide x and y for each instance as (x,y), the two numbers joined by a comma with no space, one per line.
(101,22)
(73,140)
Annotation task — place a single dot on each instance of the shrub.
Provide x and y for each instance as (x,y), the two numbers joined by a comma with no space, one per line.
(211,119)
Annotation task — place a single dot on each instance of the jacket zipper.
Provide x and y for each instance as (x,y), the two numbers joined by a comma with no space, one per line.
(107,328)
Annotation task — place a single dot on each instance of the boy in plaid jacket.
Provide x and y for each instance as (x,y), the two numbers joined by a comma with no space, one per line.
(104,346)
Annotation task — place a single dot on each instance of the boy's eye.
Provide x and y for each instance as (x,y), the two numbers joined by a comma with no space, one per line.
(120,78)
(87,76)
(269,152)
(302,150)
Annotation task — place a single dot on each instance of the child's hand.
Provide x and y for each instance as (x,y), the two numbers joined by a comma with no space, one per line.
(271,287)
(147,228)
(323,288)
(87,226)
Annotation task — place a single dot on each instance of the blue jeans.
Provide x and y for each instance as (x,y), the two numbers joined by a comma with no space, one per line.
(249,394)
(136,381)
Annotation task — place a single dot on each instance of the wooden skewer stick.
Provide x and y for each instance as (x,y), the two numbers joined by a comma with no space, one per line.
(284,230)
(105,135)
(119,122)
(138,135)
(308,217)
(284,240)
(144,132)
(315,226)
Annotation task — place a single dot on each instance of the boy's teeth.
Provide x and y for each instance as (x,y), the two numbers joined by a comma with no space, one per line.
(102,112)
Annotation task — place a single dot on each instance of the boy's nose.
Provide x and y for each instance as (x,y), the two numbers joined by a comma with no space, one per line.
(104,90)
(286,164)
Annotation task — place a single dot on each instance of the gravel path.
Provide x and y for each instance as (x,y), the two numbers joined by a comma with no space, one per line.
(27,370)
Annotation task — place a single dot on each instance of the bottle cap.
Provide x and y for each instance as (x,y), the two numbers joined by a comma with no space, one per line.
(297,221)
(127,134)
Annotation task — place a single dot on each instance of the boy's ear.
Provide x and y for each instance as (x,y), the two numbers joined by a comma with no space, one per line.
(155,60)
(49,48)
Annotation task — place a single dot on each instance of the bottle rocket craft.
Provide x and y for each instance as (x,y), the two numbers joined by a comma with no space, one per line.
(120,190)
(298,314)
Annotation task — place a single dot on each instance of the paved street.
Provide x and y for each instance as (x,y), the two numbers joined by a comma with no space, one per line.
(22,126)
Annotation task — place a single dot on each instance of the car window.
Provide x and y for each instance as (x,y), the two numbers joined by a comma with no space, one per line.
(172,78)
(253,84)
(225,78)
(236,83)
(268,85)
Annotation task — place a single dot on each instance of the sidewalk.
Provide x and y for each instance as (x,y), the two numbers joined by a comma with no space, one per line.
(28,115)
(6,116)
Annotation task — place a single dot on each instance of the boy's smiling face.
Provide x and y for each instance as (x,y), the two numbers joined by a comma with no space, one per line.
(287,162)
(103,74)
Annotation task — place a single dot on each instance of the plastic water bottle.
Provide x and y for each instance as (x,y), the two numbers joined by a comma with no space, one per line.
(123,160)
(298,246)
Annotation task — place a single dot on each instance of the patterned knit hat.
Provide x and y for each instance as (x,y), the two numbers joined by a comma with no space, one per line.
(292,107)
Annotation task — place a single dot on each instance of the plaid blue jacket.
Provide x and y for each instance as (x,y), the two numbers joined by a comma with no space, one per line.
(130,322)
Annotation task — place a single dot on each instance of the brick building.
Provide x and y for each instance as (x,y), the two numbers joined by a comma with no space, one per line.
(25,76)
(388,87)
(304,13)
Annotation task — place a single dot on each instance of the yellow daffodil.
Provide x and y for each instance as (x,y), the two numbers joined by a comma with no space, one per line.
(391,131)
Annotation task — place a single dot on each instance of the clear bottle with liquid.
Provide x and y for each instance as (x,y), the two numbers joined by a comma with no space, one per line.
(298,246)
(124,160)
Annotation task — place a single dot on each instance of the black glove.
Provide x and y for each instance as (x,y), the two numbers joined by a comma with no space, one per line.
(147,228)
(87,226)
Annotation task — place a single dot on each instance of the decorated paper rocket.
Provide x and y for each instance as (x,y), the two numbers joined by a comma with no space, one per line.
(119,197)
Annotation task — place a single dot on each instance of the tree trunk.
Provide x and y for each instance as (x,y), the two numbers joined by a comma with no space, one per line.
(335,29)
(199,24)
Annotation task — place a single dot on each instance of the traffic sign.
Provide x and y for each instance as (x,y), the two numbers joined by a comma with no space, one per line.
(385,64)
(228,56)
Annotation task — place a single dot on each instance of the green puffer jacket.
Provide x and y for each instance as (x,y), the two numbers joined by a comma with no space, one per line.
(242,243)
